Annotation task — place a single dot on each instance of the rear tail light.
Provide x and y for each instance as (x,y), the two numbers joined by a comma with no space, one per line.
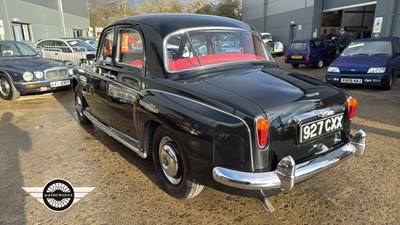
(286,57)
(351,106)
(307,57)
(262,131)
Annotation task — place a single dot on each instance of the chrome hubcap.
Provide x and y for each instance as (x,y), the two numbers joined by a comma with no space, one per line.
(78,105)
(321,63)
(4,87)
(169,160)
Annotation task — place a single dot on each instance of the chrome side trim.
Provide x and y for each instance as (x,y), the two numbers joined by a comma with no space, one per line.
(219,110)
(122,138)
(288,173)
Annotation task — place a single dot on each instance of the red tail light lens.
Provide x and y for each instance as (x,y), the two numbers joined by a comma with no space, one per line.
(286,57)
(307,57)
(262,131)
(351,106)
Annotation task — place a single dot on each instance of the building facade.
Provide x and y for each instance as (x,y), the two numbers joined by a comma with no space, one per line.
(300,19)
(32,20)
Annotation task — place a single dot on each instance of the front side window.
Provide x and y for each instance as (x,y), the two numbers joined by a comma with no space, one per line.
(205,47)
(368,48)
(105,53)
(130,48)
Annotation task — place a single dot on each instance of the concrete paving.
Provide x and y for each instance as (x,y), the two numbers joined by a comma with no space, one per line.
(41,139)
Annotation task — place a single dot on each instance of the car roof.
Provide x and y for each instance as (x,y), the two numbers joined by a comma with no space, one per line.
(376,39)
(57,39)
(166,23)
(10,41)
(307,40)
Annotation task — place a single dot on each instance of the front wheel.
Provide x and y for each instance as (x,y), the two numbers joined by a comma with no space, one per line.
(389,83)
(80,106)
(7,89)
(172,167)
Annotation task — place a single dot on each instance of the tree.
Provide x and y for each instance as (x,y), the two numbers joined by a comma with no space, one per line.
(202,7)
(103,13)
(229,8)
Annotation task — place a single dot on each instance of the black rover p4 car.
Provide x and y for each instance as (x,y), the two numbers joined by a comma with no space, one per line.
(202,97)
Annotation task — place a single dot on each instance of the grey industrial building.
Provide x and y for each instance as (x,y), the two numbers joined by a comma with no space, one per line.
(32,20)
(301,19)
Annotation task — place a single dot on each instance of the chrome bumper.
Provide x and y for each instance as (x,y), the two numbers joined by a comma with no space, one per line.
(287,173)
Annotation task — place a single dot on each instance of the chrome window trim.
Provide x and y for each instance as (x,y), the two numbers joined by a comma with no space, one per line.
(219,110)
(185,30)
(118,49)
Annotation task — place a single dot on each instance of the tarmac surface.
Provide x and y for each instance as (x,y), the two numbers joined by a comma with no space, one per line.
(41,139)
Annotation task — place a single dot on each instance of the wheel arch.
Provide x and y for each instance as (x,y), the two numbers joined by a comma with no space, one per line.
(6,74)
(196,125)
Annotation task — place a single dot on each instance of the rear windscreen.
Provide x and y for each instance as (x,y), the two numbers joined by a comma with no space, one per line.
(298,46)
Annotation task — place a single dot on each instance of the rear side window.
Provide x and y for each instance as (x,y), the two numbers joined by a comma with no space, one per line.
(46,44)
(130,48)
(106,50)
(318,44)
(298,46)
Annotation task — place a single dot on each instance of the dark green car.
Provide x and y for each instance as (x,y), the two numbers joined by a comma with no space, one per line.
(23,71)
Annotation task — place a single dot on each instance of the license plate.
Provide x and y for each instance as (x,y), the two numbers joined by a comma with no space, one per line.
(60,83)
(318,128)
(297,57)
(351,81)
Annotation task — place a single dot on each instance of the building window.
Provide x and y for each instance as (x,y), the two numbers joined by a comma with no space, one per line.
(21,31)
(77,33)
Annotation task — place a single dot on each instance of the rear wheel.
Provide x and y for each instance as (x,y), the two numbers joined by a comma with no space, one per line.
(389,82)
(320,63)
(80,106)
(294,65)
(7,89)
(172,167)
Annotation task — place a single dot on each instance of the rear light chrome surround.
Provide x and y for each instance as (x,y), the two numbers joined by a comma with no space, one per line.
(351,105)
(262,131)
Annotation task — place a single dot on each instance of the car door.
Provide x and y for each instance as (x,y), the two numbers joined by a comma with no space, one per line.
(62,52)
(318,50)
(396,56)
(96,93)
(124,89)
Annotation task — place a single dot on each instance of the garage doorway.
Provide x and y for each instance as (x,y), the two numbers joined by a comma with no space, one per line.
(356,19)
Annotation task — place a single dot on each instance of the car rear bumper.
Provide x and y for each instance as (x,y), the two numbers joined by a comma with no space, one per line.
(40,86)
(310,62)
(288,173)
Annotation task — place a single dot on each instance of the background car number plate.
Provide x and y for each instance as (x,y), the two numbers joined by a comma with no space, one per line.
(297,57)
(60,83)
(315,129)
(351,80)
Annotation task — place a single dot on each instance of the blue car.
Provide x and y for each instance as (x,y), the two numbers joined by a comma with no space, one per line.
(369,62)
(315,52)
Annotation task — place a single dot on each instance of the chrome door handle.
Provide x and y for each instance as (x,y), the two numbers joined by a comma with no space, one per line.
(110,76)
